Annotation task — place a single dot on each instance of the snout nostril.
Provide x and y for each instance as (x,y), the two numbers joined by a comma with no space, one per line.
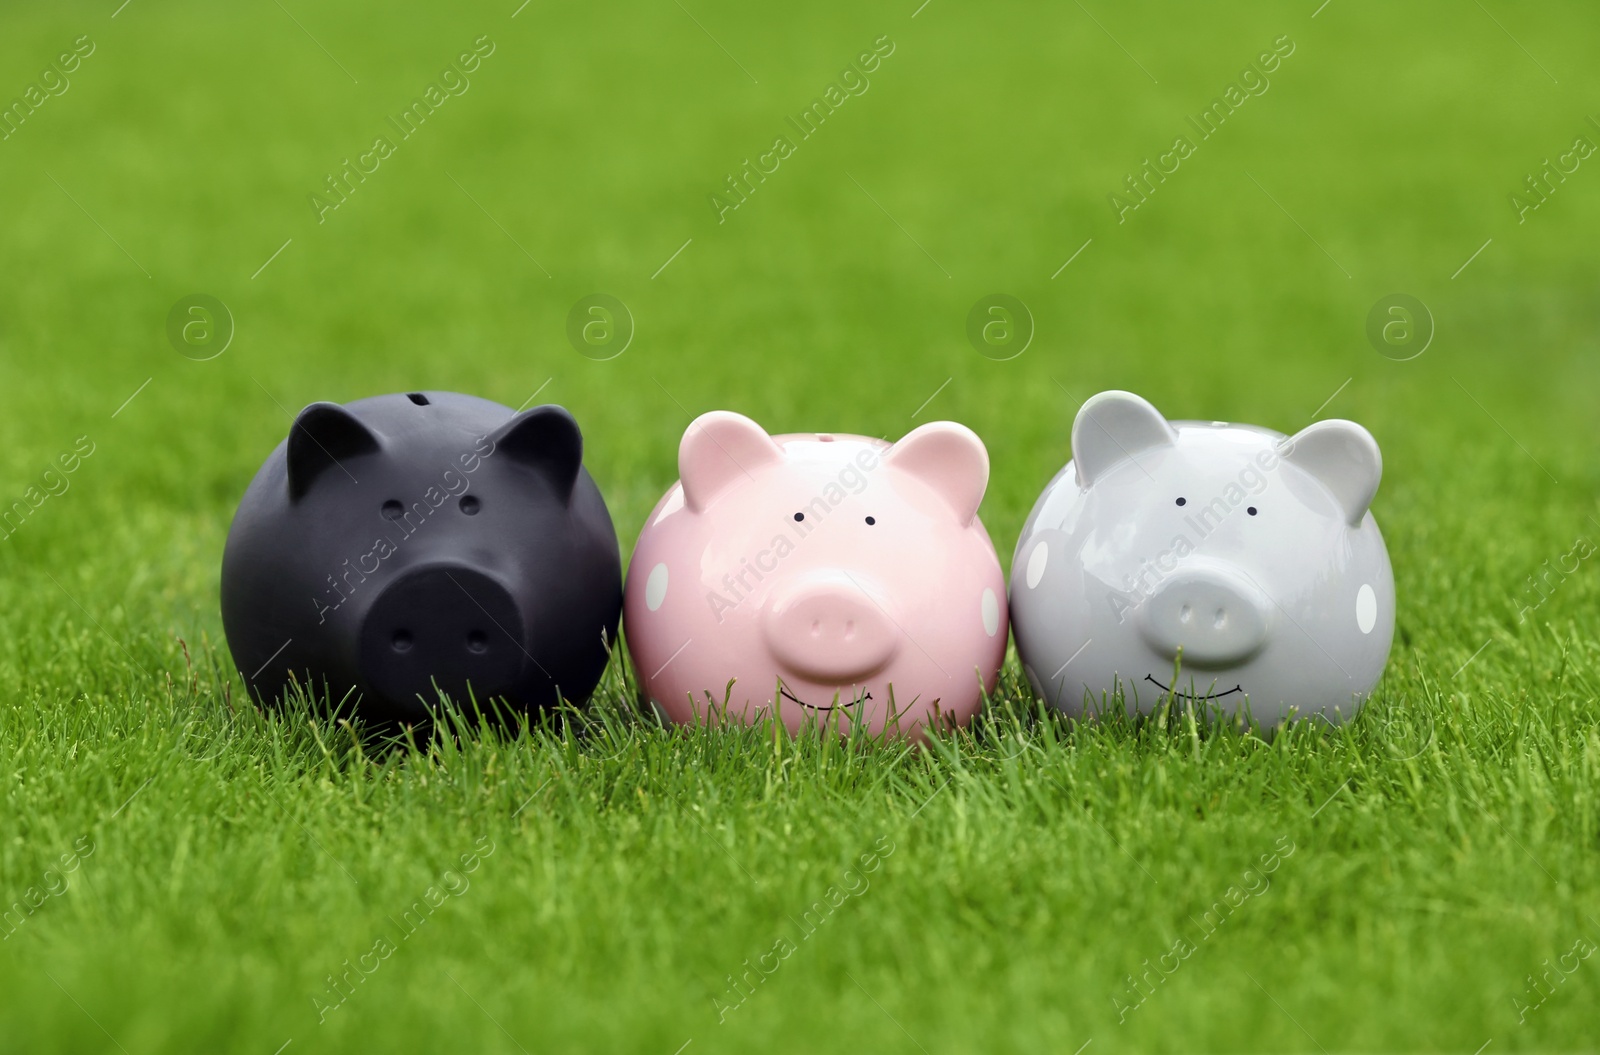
(1210,614)
(445,625)
(823,629)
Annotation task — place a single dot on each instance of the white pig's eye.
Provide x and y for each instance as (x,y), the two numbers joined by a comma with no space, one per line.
(1251,510)
(871,521)
(1183,501)
(799,516)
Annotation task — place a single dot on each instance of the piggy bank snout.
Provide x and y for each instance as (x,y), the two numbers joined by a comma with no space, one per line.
(829,630)
(444,625)
(1217,616)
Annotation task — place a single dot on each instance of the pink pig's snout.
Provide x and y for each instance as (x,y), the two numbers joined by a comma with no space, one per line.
(1217,616)
(826,628)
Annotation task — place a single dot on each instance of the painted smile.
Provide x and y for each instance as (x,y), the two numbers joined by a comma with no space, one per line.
(1189,695)
(783,690)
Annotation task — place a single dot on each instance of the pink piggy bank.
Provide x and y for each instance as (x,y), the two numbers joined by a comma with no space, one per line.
(827,579)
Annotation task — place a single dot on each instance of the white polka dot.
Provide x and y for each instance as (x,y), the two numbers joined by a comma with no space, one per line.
(655,587)
(991,612)
(1036,563)
(1366,609)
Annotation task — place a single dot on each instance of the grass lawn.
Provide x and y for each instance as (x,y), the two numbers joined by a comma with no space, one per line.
(208,878)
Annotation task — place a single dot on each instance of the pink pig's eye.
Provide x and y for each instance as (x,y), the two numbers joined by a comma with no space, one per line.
(799,516)
(871,521)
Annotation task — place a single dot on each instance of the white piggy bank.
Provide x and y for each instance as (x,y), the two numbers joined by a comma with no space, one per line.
(1244,560)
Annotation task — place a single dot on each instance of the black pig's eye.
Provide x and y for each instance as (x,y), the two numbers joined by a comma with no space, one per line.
(1183,501)
(470,505)
(871,521)
(392,509)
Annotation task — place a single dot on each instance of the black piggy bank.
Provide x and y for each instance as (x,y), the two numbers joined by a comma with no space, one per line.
(408,545)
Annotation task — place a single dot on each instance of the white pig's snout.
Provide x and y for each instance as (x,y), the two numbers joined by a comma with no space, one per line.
(827,628)
(1214,613)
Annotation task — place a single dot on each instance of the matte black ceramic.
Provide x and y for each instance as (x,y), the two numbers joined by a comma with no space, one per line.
(407,545)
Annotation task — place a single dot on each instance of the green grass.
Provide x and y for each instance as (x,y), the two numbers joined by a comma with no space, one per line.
(1443,844)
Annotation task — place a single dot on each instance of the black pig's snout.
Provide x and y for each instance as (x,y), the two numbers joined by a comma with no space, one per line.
(443,627)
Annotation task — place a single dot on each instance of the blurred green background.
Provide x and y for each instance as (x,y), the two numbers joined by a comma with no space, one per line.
(1423,904)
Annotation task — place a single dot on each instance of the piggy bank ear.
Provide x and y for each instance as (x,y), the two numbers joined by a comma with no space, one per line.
(1112,427)
(719,449)
(545,439)
(948,457)
(321,437)
(1345,457)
